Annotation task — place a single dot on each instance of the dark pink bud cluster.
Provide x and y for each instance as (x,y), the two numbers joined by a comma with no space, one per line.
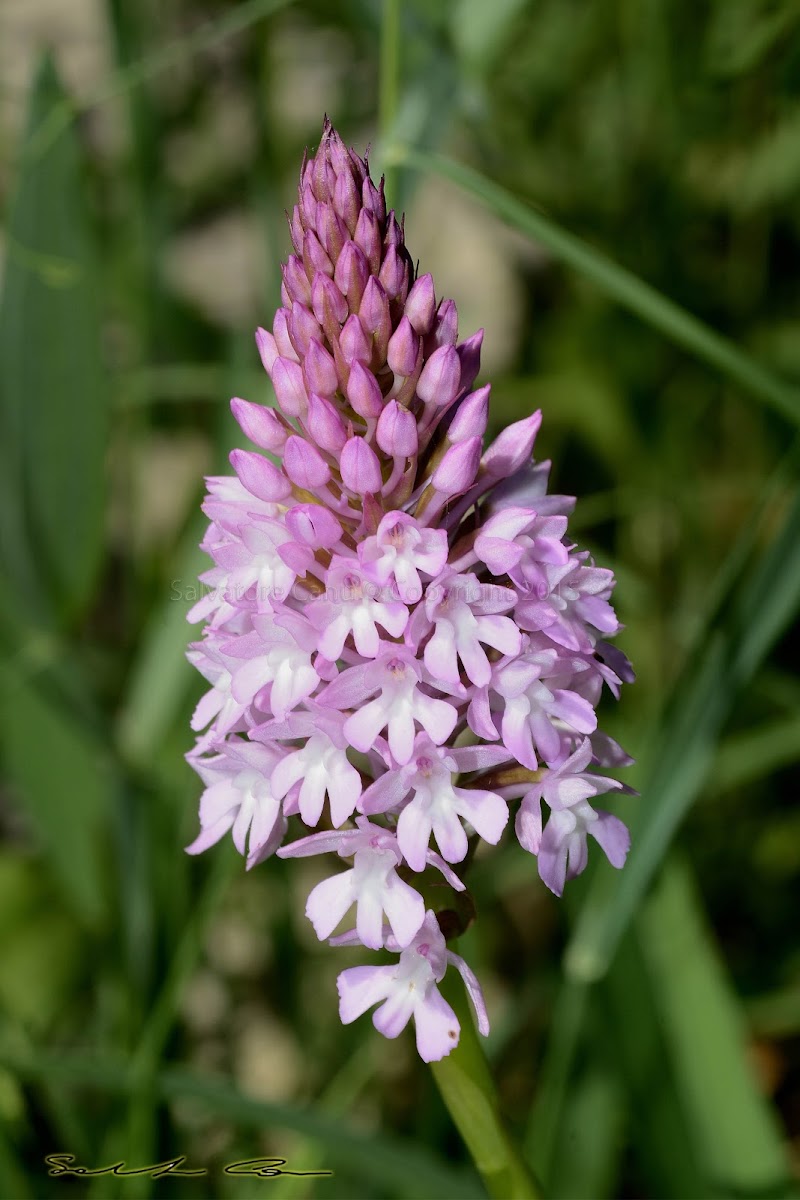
(387,592)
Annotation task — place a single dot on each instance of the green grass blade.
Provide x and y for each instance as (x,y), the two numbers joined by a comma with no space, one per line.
(376,1158)
(733,1129)
(621,285)
(160,677)
(681,764)
(54,419)
(62,113)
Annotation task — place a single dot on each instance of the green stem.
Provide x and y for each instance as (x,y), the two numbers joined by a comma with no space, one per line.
(389,86)
(627,289)
(466,1086)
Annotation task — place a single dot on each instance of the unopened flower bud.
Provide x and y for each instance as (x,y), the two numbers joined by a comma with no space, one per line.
(403,348)
(458,468)
(260,424)
(361,470)
(421,305)
(441,377)
(304,465)
(396,432)
(364,393)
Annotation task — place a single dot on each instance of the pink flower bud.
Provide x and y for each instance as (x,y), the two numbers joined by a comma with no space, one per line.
(304,465)
(441,377)
(396,432)
(303,328)
(469,353)
(361,470)
(298,231)
(319,370)
(458,468)
(373,198)
(329,303)
(471,416)
(296,282)
(346,199)
(287,380)
(364,393)
(374,314)
(313,525)
(403,348)
(394,274)
(445,327)
(267,348)
(353,342)
(513,447)
(332,231)
(260,424)
(283,341)
(352,273)
(314,257)
(259,476)
(324,425)
(421,304)
(368,237)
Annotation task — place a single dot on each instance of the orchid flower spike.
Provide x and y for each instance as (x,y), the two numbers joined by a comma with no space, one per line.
(397,626)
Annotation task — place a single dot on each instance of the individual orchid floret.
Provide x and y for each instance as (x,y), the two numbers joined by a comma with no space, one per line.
(320,766)
(409,989)
(372,884)
(436,805)
(572,609)
(464,616)
(401,550)
(239,797)
(275,671)
(353,604)
(400,705)
(536,708)
(561,846)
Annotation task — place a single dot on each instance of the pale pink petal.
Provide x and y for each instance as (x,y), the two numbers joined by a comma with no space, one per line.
(437,1026)
(328,903)
(361,987)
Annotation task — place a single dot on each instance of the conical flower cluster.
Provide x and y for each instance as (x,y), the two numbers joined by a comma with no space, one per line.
(401,638)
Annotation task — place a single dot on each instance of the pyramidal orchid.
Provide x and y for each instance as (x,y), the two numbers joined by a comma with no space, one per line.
(403,643)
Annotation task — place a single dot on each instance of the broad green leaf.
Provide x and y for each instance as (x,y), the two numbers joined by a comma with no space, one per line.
(590,1139)
(62,779)
(734,1132)
(53,415)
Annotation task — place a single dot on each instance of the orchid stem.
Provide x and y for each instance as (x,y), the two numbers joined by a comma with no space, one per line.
(466,1086)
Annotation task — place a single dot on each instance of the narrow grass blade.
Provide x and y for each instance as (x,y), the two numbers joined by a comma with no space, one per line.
(627,289)
(375,1158)
(681,764)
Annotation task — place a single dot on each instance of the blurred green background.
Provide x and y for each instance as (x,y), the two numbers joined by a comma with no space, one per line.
(646,1031)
